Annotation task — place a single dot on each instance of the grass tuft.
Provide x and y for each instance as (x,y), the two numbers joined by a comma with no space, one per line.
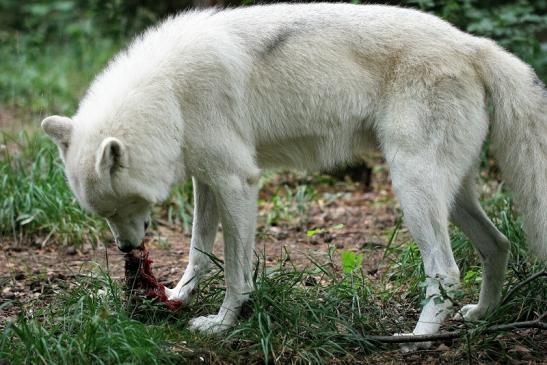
(35,198)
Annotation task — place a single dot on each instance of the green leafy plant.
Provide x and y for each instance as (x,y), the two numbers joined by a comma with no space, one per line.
(288,205)
(351,261)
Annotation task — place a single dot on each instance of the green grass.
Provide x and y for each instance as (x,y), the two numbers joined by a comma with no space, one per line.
(314,315)
(36,201)
(84,327)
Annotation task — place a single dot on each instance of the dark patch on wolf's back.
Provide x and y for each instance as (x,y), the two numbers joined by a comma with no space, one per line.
(282,36)
(278,40)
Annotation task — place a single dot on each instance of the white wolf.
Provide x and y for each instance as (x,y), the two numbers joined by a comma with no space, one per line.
(220,95)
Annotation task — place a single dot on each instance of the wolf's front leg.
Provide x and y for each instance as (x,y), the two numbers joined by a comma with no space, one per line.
(236,199)
(204,229)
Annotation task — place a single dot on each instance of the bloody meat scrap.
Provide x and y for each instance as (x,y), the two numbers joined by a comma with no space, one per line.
(138,274)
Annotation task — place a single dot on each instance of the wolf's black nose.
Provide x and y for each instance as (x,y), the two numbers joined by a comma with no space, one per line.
(125,249)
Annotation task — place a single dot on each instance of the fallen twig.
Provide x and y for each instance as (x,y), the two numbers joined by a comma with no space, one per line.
(538,323)
(513,290)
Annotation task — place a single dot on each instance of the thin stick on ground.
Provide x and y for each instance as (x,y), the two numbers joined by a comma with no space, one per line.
(538,323)
(523,283)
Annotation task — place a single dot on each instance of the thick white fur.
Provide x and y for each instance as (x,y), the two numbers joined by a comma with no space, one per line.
(220,95)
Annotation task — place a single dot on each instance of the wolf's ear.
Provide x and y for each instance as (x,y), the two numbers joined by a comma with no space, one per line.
(111,155)
(59,129)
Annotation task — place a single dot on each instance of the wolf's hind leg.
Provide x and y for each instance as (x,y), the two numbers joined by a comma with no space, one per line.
(492,245)
(423,191)
(430,138)
(424,181)
(204,229)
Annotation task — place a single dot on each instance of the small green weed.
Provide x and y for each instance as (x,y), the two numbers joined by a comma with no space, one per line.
(288,205)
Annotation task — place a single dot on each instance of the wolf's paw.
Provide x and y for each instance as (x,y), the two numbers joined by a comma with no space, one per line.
(413,346)
(184,294)
(210,324)
(470,312)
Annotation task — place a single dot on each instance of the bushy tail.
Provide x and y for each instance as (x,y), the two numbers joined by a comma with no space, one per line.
(519,135)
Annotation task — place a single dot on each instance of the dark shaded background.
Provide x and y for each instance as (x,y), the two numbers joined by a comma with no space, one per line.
(519,25)
(30,29)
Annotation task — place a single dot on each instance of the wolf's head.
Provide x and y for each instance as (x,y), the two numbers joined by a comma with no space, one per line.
(99,173)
